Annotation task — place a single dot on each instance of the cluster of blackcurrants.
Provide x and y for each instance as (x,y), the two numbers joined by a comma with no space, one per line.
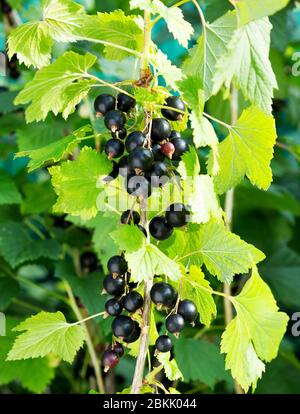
(143,166)
(125,298)
(180,312)
(161,227)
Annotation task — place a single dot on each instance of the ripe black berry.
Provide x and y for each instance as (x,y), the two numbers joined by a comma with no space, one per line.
(110,359)
(188,310)
(134,336)
(118,348)
(173,102)
(168,149)
(138,186)
(117,265)
(114,286)
(175,134)
(175,323)
(158,174)
(130,215)
(114,120)
(124,169)
(181,147)
(134,140)
(125,103)
(113,307)
(160,130)
(133,301)
(140,158)
(163,294)
(160,229)
(122,326)
(88,261)
(163,343)
(104,103)
(158,155)
(177,215)
(114,148)
(120,133)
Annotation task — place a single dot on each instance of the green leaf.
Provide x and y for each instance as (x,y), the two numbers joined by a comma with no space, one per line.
(47,333)
(75,183)
(204,56)
(114,28)
(51,87)
(17,247)
(180,28)
(9,289)
(64,18)
(149,261)
(247,150)
(88,290)
(164,67)
(189,165)
(34,375)
(32,43)
(247,62)
(128,237)
(9,193)
(172,371)
(223,253)
(200,361)
(55,151)
(41,191)
(153,335)
(248,10)
(145,389)
(254,335)
(195,287)
(281,272)
(103,244)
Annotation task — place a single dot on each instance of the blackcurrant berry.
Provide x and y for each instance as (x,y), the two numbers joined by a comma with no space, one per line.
(188,310)
(118,348)
(120,133)
(160,229)
(168,149)
(163,343)
(110,359)
(130,215)
(138,186)
(181,146)
(125,103)
(163,294)
(160,130)
(114,148)
(113,307)
(89,261)
(134,140)
(140,158)
(177,215)
(104,103)
(114,120)
(134,336)
(117,265)
(175,323)
(114,286)
(158,155)
(133,301)
(176,103)
(122,326)
(124,169)
(175,134)
(158,175)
